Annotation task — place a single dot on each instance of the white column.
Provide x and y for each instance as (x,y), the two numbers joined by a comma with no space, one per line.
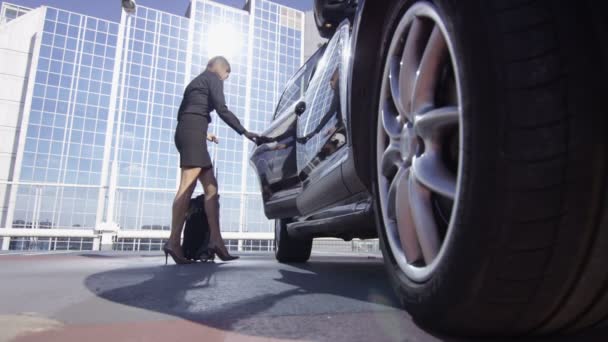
(107,152)
(277,59)
(5,243)
(114,164)
(191,27)
(246,122)
(303,28)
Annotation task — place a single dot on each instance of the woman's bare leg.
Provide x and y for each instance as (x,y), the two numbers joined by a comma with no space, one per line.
(212,207)
(180,206)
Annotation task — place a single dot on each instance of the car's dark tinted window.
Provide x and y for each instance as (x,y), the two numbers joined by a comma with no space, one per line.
(299,83)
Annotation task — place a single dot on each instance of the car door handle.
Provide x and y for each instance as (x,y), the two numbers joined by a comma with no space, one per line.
(300,108)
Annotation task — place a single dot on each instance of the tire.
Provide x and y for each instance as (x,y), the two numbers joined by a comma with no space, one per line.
(526,241)
(288,249)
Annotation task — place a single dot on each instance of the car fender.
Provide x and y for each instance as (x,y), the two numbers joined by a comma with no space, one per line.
(364,69)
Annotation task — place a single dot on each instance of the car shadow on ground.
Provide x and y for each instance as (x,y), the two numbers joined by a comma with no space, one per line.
(237,296)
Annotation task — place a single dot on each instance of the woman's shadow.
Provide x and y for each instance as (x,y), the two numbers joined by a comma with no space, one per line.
(224,295)
(221,295)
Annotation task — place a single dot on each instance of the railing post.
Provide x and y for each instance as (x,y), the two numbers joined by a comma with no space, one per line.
(6,242)
(97,243)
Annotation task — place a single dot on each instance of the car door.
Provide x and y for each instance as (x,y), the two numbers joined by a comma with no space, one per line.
(275,160)
(322,127)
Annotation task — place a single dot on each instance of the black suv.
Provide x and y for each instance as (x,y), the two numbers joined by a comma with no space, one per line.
(470,137)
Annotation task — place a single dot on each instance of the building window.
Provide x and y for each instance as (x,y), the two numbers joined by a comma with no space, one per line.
(11,12)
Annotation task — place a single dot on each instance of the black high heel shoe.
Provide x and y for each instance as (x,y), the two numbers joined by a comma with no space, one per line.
(177,259)
(223,255)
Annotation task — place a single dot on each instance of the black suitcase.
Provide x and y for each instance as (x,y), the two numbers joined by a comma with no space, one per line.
(196,232)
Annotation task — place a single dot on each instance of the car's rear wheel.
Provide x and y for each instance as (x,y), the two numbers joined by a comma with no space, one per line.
(289,249)
(490,166)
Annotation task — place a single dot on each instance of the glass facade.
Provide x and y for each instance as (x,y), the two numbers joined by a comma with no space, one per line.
(222,30)
(99,139)
(150,82)
(65,137)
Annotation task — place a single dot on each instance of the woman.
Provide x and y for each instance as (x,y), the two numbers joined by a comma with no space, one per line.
(204,94)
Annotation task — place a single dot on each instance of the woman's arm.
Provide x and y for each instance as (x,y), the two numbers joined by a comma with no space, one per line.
(216,90)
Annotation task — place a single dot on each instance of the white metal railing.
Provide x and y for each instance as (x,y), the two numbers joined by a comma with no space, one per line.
(164,234)
(27,232)
(151,234)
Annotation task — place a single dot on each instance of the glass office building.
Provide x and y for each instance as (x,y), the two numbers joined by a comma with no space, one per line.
(94,163)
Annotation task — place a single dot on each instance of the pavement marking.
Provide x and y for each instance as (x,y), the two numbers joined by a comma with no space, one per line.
(13,326)
(170,330)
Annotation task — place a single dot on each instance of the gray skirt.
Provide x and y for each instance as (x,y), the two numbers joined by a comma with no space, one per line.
(191,141)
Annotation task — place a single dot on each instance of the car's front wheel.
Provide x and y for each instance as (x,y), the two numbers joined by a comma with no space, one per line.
(290,249)
(490,158)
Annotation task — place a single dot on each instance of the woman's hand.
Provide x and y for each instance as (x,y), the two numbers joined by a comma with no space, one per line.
(251,136)
(213,138)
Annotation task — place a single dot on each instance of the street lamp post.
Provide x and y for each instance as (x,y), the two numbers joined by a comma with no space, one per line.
(129,6)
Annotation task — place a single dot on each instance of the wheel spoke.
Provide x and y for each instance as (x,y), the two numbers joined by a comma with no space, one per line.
(391,196)
(405,221)
(410,61)
(430,124)
(390,120)
(431,173)
(424,222)
(429,72)
(398,100)
(391,159)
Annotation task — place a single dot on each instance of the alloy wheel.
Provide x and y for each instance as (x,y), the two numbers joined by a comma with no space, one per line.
(419,134)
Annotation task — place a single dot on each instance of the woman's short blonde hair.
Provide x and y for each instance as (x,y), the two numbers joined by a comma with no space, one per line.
(218,59)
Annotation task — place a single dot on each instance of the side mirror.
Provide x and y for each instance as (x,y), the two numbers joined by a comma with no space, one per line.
(300,108)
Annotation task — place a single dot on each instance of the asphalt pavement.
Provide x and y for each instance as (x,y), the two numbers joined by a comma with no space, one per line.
(135,297)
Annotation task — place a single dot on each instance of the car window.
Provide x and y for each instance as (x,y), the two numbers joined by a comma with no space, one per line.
(297,86)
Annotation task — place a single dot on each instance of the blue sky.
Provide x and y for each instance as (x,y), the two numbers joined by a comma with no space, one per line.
(109,9)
